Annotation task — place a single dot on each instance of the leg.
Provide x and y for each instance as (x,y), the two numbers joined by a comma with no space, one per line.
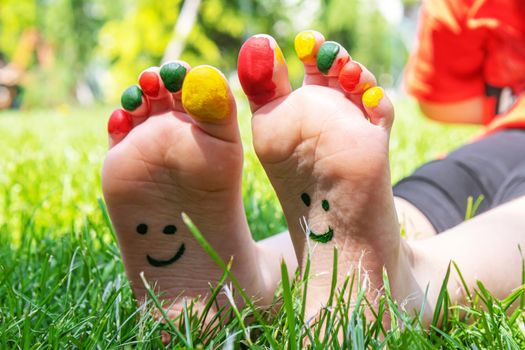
(414,223)
(279,247)
(434,198)
(327,158)
(497,234)
(188,159)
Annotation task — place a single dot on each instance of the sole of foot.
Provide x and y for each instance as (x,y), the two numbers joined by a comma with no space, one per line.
(324,148)
(175,147)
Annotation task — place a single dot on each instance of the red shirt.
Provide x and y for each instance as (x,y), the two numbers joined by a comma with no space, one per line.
(466,44)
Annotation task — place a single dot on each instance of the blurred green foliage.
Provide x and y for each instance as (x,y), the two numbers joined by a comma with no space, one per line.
(105,44)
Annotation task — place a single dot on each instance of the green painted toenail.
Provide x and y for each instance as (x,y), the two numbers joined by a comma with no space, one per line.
(326,56)
(131,98)
(172,75)
(325,204)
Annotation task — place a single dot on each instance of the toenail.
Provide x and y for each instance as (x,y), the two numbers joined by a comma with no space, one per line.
(279,54)
(304,45)
(350,76)
(131,98)
(372,96)
(149,82)
(142,229)
(255,69)
(172,75)
(205,94)
(326,56)
(120,122)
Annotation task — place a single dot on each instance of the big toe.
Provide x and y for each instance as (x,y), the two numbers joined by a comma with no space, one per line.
(207,98)
(262,70)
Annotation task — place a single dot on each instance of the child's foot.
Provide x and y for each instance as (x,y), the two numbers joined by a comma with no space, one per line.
(326,156)
(162,165)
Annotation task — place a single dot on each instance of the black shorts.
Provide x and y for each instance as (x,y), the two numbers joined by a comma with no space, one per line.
(493,167)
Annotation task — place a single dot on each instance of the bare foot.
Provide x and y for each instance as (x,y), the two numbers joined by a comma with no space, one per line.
(324,147)
(175,147)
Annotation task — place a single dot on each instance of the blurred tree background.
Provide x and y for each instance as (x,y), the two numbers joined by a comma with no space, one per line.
(87,51)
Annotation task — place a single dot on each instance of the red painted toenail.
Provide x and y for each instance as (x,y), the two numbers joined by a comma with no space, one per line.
(255,69)
(120,122)
(149,82)
(350,76)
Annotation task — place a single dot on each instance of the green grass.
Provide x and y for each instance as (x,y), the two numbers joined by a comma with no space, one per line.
(62,283)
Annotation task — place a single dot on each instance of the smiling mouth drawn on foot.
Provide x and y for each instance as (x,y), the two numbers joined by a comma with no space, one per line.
(329,234)
(168,230)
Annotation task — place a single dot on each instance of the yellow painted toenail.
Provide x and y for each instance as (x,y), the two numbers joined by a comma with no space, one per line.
(372,96)
(279,54)
(205,94)
(304,46)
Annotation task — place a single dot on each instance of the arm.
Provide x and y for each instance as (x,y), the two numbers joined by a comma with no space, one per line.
(469,111)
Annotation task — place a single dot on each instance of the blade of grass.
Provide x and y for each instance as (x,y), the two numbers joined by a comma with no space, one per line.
(187,325)
(441,299)
(165,316)
(289,307)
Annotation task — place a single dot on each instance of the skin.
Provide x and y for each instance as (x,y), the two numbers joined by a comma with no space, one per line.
(468,111)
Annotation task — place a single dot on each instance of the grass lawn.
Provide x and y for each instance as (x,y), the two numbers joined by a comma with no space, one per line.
(62,284)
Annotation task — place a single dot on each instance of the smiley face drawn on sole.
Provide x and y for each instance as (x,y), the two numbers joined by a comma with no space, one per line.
(142,229)
(329,234)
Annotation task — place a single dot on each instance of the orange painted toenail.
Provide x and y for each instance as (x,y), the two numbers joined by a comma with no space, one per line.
(205,94)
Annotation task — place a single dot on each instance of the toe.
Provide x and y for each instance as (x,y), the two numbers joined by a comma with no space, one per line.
(134,102)
(119,125)
(331,58)
(262,70)
(151,83)
(207,98)
(307,44)
(172,75)
(156,93)
(378,107)
(354,78)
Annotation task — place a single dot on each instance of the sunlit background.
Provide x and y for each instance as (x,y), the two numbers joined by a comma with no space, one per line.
(64,64)
(67,52)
